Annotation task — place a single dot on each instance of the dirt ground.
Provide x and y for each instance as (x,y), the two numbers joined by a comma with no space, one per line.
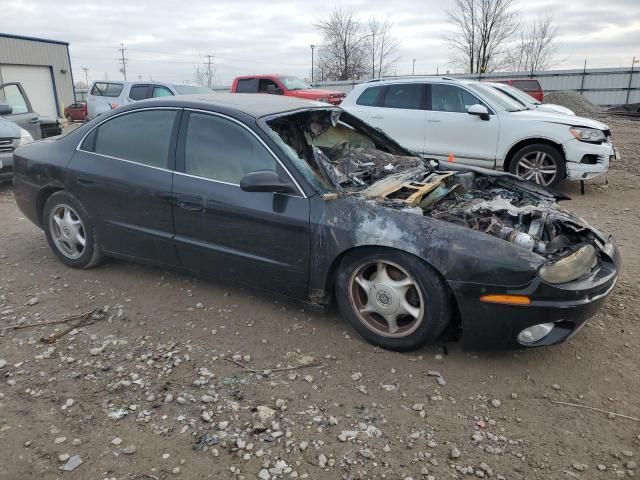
(161,387)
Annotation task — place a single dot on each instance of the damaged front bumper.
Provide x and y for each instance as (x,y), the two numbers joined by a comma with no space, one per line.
(587,160)
(568,306)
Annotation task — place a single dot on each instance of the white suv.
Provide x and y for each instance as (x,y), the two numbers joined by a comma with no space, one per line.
(472,123)
(107,95)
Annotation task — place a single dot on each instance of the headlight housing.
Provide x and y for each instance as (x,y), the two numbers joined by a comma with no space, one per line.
(570,267)
(25,137)
(589,135)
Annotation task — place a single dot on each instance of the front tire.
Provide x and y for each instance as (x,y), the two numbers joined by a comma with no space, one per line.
(70,231)
(539,163)
(392,299)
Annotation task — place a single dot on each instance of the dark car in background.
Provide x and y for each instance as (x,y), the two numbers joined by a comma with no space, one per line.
(306,200)
(529,85)
(16,107)
(76,112)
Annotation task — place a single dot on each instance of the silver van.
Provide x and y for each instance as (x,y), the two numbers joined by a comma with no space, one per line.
(107,95)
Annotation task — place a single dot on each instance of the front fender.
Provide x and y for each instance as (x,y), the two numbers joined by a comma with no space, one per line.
(457,253)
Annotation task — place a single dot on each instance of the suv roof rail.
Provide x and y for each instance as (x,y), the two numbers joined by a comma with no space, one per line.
(392,77)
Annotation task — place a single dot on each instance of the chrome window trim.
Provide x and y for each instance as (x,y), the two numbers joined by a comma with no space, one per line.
(293,180)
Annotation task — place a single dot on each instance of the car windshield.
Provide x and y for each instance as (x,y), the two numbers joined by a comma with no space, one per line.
(497,98)
(518,94)
(336,151)
(191,89)
(294,83)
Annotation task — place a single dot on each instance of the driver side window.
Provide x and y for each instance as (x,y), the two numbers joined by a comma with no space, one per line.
(11,95)
(218,149)
(451,98)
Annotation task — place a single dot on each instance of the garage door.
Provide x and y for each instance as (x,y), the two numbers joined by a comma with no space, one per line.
(36,82)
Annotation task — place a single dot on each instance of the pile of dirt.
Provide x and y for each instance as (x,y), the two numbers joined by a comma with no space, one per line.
(573,100)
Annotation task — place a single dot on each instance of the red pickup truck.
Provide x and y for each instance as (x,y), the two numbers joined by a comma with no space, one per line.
(285,85)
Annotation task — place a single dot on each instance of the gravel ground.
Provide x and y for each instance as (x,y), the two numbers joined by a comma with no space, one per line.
(574,101)
(192,379)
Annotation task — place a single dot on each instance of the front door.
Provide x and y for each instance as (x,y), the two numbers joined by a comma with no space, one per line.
(122,175)
(452,133)
(22,114)
(256,238)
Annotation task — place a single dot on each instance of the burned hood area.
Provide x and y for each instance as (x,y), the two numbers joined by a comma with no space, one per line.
(353,161)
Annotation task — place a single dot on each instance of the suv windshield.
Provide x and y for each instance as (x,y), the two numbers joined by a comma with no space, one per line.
(191,89)
(294,83)
(518,94)
(497,98)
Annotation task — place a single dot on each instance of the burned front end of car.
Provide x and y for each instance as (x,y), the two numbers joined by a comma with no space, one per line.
(523,271)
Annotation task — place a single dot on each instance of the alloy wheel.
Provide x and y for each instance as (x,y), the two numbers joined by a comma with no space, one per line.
(67,231)
(538,167)
(386,298)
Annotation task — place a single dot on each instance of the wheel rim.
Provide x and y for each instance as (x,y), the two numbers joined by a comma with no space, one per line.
(386,299)
(67,231)
(538,167)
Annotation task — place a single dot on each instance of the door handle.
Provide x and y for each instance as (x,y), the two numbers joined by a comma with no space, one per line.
(189,204)
(85,181)
(34,120)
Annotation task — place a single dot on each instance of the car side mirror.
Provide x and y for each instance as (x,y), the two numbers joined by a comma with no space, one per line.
(479,110)
(274,90)
(5,109)
(265,181)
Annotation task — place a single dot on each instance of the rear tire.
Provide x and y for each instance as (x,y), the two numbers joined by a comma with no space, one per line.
(70,231)
(392,299)
(539,163)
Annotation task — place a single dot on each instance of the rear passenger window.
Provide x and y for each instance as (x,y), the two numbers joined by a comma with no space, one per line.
(220,150)
(369,98)
(105,89)
(407,96)
(247,85)
(527,85)
(138,92)
(128,137)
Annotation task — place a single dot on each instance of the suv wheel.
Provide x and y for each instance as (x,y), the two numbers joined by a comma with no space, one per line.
(539,163)
(70,232)
(392,299)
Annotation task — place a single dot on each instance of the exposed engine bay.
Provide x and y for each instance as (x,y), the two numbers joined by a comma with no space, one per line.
(347,154)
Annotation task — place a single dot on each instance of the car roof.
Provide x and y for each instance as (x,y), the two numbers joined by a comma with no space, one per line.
(254,104)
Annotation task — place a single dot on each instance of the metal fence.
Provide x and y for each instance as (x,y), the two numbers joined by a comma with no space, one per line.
(602,86)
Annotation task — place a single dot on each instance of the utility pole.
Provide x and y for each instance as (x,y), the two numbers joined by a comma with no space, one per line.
(123,61)
(209,57)
(312,49)
(633,62)
(413,70)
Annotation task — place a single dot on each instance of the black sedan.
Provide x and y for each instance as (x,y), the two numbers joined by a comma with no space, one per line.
(308,201)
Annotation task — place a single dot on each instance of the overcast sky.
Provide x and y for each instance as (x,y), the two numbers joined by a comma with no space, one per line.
(165,40)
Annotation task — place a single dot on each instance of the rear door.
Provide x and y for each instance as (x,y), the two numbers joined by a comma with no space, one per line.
(122,174)
(400,112)
(453,131)
(256,238)
(22,114)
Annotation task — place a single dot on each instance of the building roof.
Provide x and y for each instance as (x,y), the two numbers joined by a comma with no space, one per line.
(32,39)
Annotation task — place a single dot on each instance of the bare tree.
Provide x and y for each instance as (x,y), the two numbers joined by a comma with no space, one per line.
(381,47)
(481,32)
(204,76)
(537,46)
(342,55)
